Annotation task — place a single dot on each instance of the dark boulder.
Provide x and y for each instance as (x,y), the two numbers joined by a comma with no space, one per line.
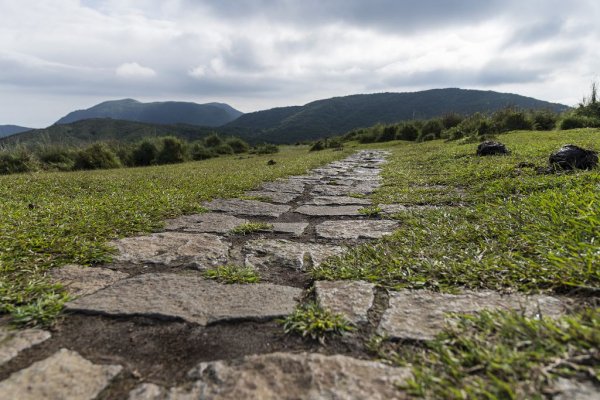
(490,148)
(271,162)
(573,157)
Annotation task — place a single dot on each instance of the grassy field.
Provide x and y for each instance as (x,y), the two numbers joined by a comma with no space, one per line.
(490,223)
(50,219)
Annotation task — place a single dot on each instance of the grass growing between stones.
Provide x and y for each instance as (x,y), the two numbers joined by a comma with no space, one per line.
(502,355)
(51,219)
(312,321)
(373,211)
(250,227)
(230,274)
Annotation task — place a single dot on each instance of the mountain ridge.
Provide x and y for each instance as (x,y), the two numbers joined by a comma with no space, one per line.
(7,130)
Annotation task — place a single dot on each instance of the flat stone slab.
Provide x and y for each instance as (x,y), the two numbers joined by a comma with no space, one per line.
(359,229)
(338,201)
(287,186)
(264,253)
(201,250)
(273,197)
(329,211)
(571,389)
(421,314)
(63,376)
(190,298)
(79,280)
(13,341)
(338,190)
(251,208)
(287,376)
(204,223)
(294,228)
(352,299)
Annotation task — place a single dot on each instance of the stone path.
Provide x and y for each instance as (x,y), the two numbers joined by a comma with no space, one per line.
(149,326)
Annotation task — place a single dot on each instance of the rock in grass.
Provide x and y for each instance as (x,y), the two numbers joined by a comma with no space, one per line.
(491,148)
(571,157)
(12,342)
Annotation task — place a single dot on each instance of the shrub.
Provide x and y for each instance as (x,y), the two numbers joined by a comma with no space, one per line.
(238,145)
(266,148)
(512,119)
(317,146)
(432,128)
(574,121)
(16,161)
(144,154)
(451,120)
(96,156)
(369,136)
(335,143)
(223,149)
(213,140)
(408,131)
(172,151)
(387,134)
(199,152)
(544,120)
(56,157)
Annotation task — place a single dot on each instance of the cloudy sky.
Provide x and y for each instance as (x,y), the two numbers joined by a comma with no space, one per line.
(61,55)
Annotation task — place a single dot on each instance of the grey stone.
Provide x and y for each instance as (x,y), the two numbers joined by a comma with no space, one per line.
(571,389)
(286,186)
(63,376)
(359,229)
(288,376)
(336,190)
(201,250)
(190,298)
(204,223)
(338,201)
(274,197)
(294,228)
(352,299)
(250,208)
(421,314)
(79,280)
(148,391)
(265,253)
(329,211)
(12,342)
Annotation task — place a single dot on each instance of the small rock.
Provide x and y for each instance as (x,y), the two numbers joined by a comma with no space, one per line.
(12,342)
(294,228)
(251,208)
(80,281)
(490,148)
(359,229)
(571,157)
(264,253)
(329,211)
(204,223)
(271,162)
(352,299)
(63,376)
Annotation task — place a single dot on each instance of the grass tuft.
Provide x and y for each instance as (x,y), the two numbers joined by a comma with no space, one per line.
(250,227)
(312,321)
(230,274)
(372,212)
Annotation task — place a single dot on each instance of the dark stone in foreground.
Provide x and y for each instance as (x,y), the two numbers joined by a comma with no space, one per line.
(571,157)
(490,148)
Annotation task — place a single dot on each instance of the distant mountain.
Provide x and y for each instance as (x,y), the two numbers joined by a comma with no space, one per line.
(7,130)
(169,112)
(338,115)
(104,129)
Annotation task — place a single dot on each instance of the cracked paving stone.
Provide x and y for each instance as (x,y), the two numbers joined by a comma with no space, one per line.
(352,299)
(329,211)
(63,376)
(274,197)
(264,253)
(294,228)
(338,201)
(79,280)
(285,186)
(13,341)
(204,223)
(420,314)
(335,190)
(190,298)
(360,229)
(201,250)
(286,376)
(250,208)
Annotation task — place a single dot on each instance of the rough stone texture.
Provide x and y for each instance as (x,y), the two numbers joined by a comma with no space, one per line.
(12,342)
(571,389)
(191,298)
(149,391)
(274,197)
(338,201)
(265,253)
(329,211)
(490,148)
(79,280)
(573,157)
(360,229)
(201,250)
(295,228)
(204,223)
(332,190)
(352,299)
(296,376)
(251,208)
(63,376)
(287,186)
(420,314)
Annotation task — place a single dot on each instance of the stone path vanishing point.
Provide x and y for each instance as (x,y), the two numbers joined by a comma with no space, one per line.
(149,326)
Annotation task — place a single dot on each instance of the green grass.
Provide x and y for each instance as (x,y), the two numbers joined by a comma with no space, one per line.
(373,211)
(516,230)
(501,355)
(250,227)
(51,219)
(312,321)
(230,274)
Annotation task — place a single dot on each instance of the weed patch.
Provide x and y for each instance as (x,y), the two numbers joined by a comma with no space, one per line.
(232,274)
(250,227)
(312,321)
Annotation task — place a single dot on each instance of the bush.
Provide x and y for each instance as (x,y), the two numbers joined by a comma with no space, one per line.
(369,136)
(451,120)
(387,134)
(335,143)
(512,119)
(55,157)
(223,149)
(432,127)
(238,145)
(266,148)
(199,152)
(578,121)
(408,131)
(213,140)
(172,151)
(12,162)
(144,154)
(544,120)
(317,146)
(96,156)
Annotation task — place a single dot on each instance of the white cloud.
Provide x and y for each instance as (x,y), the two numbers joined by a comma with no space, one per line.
(134,70)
